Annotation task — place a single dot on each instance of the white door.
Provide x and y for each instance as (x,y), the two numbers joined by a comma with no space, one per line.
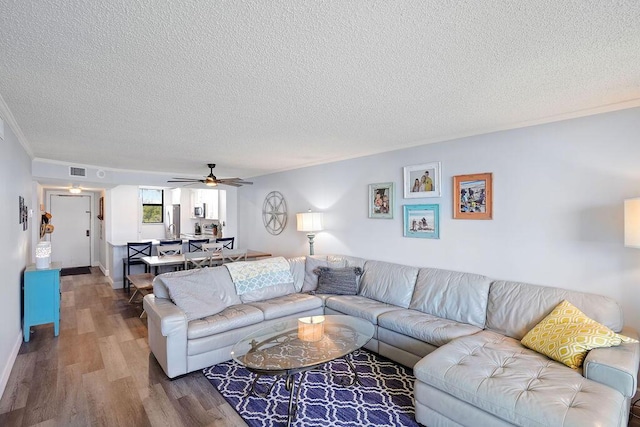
(71,240)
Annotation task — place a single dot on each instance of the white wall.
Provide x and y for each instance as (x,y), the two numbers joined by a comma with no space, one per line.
(558,207)
(15,175)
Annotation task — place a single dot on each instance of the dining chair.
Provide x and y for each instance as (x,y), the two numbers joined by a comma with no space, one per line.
(196,244)
(169,250)
(226,241)
(233,255)
(135,251)
(197,259)
(170,242)
(214,249)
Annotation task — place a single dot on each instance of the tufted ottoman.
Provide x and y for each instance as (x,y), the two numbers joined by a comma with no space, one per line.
(488,379)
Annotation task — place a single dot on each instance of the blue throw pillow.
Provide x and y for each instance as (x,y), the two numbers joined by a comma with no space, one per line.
(338,281)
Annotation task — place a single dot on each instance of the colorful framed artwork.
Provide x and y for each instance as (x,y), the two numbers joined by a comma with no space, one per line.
(422,181)
(473,196)
(422,221)
(381,199)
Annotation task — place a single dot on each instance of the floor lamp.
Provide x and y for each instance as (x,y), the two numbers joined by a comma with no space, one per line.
(310,222)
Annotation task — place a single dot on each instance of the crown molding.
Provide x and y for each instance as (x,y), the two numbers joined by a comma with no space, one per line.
(8,118)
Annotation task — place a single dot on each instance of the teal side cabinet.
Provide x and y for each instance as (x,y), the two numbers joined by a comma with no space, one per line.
(41,298)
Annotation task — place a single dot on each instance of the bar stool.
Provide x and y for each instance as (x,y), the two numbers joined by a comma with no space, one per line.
(135,251)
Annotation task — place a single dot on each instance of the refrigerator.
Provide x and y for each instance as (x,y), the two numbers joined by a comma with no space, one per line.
(172,222)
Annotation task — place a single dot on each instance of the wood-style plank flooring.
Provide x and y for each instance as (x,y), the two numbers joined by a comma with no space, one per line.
(100,372)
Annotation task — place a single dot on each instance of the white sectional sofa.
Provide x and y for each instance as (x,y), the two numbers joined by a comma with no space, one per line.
(460,332)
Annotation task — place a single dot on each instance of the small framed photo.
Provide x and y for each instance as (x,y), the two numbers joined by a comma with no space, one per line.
(20,209)
(422,221)
(422,180)
(381,200)
(473,196)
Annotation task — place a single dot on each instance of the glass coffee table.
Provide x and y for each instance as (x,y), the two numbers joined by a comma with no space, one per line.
(296,346)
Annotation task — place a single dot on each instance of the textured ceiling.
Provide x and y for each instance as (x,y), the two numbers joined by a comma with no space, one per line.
(259,86)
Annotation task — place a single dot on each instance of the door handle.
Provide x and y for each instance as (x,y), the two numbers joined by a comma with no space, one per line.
(87,233)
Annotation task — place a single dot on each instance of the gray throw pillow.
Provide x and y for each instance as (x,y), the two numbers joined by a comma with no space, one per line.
(338,281)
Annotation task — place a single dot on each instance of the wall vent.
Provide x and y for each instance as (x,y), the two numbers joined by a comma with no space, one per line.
(73,171)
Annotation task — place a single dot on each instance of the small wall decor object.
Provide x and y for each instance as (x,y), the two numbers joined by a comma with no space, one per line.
(381,200)
(274,212)
(473,196)
(101,209)
(422,221)
(422,181)
(20,209)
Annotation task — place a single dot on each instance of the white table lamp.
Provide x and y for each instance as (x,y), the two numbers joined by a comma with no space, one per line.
(632,223)
(43,255)
(310,222)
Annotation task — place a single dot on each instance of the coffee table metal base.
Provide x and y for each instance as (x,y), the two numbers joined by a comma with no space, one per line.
(292,387)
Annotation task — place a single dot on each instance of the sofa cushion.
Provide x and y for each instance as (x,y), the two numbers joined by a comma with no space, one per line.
(515,308)
(500,376)
(297,266)
(338,281)
(358,306)
(218,277)
(269,292)
(287,305)
(313,262)
(452,295)
(566,335)
(197,293)
(233,317)
(425,327)
(388,282)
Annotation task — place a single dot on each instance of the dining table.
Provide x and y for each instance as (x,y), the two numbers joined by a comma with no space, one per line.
(156,261)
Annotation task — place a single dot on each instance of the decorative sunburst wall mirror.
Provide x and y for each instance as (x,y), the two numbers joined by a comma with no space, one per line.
(274,212)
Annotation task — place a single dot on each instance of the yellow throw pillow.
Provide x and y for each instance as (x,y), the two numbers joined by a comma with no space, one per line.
(567,335)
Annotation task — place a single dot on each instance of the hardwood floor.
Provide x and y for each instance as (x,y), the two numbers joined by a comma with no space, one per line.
(100,372)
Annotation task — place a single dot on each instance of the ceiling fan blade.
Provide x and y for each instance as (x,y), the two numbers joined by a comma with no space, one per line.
(235,182)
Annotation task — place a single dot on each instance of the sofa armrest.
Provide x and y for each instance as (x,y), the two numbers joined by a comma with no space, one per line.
(167,333)
(169,316)
(616,367)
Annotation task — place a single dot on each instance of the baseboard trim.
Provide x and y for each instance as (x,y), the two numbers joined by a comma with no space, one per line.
(6,370)
(104,270)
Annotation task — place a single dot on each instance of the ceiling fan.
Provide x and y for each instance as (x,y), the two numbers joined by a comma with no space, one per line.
(211,179)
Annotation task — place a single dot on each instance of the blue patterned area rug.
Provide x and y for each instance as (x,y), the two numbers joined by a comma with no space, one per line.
(385,397)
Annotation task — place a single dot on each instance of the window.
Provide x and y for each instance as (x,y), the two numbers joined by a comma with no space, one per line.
(152,201)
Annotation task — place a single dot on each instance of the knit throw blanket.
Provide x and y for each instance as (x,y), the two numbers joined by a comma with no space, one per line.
(250,276)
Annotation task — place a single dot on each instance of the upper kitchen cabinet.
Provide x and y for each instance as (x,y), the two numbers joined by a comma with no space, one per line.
(207,199)
(174,196)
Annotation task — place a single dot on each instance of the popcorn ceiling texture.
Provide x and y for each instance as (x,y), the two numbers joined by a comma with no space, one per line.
(264,85)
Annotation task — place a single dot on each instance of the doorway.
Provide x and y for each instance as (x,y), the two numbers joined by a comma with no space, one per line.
(71,237)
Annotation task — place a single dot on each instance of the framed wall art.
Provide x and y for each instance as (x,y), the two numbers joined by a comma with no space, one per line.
(473,196)
(422,221)
(381,200)
(422,181)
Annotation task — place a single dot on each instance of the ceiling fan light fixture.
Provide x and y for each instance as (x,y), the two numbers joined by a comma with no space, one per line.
(211,183)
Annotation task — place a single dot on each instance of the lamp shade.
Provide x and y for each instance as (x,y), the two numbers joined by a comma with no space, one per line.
(43,255)
(632,223)
(311,328)
(309,221)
